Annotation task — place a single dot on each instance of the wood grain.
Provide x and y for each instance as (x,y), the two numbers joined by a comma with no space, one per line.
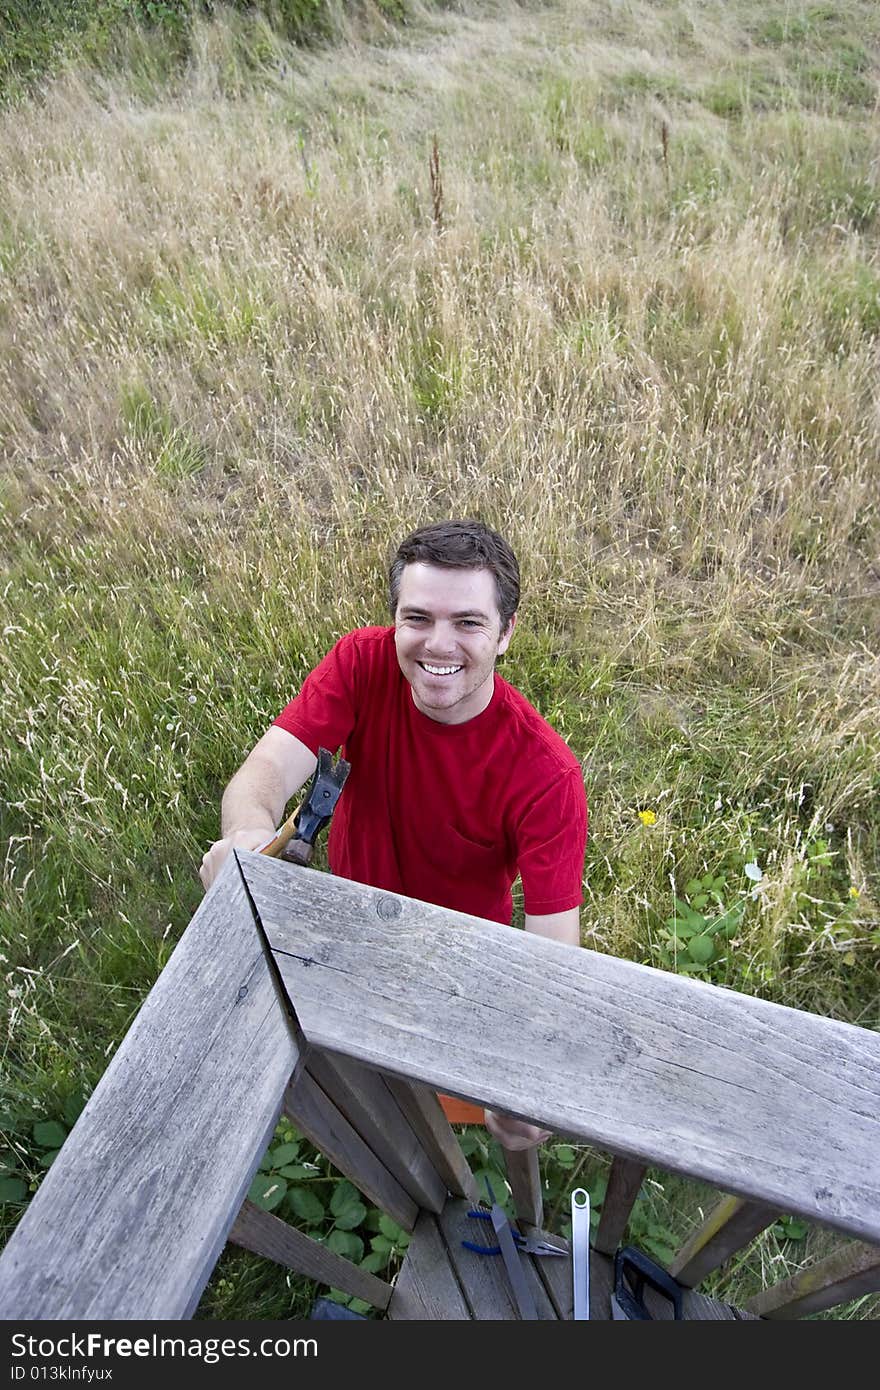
(425,1113)
(624,1184)
(307,1106)
(131,1217)
(760,1100)
(848,1273)
(732,1224)
(269,1236)
(426,1287)
(524,1175)
(363,1097)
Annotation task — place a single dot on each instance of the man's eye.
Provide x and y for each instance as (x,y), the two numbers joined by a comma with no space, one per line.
(469,622)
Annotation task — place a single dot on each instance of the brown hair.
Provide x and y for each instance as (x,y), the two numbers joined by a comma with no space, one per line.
(465,545)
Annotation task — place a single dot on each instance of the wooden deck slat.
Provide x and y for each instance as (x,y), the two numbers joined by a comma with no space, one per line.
(483,1278)
(732,1224)
(426,1286)
(326,1127)
(131,1217)
(759,1100)
(265,1234)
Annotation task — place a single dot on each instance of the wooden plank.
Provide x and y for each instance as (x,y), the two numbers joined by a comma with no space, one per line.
(760,1100)
(314,1113)
(364,1099)
(425,1113)
(727,1228)
(848,1273)
(483,1278)
(524,1175)
(624,1184)
(131,1217)
(426,1286)
(267,1235)
(557,1277)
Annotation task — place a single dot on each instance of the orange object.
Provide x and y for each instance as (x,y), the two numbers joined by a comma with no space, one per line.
(462,1112)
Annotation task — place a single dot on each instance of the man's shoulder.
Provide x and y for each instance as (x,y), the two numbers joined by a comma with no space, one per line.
(529,730)
(369,644)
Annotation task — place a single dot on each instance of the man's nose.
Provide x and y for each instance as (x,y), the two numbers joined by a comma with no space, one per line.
(442,638)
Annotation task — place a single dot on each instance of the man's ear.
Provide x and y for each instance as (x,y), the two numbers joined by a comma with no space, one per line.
(504,640)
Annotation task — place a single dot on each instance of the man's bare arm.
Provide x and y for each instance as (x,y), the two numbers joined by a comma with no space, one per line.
(558,926)
(255,799)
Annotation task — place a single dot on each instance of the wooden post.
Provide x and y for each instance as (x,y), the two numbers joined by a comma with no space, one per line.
(846,1274)
(624,1183)
(269,1236)
(524,1176)
(727,1228)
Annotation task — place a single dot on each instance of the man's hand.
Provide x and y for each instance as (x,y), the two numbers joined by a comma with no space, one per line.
(216,857)
(512,1134)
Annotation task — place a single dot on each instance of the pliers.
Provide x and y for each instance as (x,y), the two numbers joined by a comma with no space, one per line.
(529,1245)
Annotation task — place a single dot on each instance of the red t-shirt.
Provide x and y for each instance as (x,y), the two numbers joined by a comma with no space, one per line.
(447,813)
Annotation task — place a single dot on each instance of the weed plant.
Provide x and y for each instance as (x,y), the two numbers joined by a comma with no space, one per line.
(242,354)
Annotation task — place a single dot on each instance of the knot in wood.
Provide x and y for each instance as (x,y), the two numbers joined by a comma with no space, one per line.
(388,909)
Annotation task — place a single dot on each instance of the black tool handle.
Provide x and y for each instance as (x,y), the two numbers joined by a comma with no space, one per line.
(646,1271)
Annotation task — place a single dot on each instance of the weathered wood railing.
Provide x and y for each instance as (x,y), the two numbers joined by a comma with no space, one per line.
(348,1008)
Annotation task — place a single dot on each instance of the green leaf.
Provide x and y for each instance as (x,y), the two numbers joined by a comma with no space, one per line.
(12,1190)
(296,1171)
(471,1143)
(381,1244)
(49,1134)
(350,1216)
(373,1219)
(267,1191)
(285,1153)
(707,882)
(790,1228)
(701,949)
(73,1107)
(358,1305)
(375,1261)
(499,1186)
(682,929)
(663,1253)
(390,1228)
(685,911)
(597,1189)
(565,1155)
(48,1159)
(306,1204)
(343,1194)
(345,1243)
(701,900)
(692,886)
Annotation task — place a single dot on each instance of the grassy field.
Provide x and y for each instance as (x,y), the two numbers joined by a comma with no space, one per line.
(246,342)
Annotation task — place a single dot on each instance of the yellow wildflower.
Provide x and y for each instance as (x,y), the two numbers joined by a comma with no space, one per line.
(853,891)
(647,817)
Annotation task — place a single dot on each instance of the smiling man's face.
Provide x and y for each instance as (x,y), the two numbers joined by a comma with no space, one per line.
(447,631)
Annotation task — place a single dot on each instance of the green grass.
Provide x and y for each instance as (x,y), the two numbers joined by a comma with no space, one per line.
(240,362)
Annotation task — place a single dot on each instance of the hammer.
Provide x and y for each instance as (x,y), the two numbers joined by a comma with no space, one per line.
(296,838)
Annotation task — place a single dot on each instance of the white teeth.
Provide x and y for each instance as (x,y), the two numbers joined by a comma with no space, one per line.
(440,670)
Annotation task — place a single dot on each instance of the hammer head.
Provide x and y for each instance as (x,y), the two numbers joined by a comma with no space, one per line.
(317,808)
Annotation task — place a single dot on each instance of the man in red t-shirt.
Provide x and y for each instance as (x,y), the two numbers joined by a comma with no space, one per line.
(457,784)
